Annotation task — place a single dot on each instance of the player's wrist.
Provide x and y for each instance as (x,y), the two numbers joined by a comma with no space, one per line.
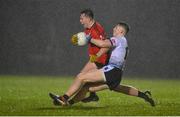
(88,38)
(98,55)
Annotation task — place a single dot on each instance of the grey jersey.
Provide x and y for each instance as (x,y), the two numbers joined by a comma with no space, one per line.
(119,51)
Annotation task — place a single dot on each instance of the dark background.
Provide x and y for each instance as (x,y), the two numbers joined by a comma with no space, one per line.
(35,35)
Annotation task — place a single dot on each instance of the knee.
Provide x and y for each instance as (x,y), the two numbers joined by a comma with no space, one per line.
(82,79)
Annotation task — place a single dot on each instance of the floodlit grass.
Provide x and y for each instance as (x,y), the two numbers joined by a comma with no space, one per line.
(28,95)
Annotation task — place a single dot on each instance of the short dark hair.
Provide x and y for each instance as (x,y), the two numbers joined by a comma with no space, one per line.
(88,12)
(124,25)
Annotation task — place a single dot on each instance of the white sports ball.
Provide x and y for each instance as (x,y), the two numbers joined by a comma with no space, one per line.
(81,39)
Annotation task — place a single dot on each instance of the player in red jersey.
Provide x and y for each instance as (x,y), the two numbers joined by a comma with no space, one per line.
(98,56)
(96,31)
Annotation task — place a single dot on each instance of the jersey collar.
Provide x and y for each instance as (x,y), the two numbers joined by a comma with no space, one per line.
(92,25)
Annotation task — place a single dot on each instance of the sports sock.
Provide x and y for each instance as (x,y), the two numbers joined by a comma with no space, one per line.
(142,95)
(66,96)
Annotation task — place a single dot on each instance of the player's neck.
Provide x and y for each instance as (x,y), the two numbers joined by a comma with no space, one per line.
(120,35)
(91,23)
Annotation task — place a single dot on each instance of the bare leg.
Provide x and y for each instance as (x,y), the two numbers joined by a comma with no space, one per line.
(88,87)
(128,90)
(90,77)
(80,95)
(98,88)
(87,68)
(132,91)
(79,82)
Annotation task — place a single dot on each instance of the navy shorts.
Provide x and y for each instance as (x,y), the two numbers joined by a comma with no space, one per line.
(112,76)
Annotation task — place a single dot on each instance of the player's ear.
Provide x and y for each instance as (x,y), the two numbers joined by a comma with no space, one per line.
(123,31)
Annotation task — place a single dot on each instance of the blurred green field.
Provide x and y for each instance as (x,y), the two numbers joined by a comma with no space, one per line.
(28,95)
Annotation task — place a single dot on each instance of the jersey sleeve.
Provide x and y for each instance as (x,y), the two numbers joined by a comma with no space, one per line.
(118,42)
(114,41)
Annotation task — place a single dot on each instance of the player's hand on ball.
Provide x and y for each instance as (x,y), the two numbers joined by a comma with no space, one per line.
(93,58)
(74,39)
(80,39)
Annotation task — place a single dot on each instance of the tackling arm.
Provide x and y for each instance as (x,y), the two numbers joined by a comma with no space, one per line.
(102,43)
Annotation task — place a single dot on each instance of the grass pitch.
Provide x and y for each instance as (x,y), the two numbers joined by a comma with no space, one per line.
(28,95)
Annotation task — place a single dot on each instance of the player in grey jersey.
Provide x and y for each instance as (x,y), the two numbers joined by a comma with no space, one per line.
(109,77)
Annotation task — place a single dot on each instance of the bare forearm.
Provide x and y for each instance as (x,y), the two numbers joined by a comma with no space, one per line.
(101,43)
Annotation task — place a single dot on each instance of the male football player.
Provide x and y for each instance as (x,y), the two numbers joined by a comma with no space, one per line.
(98,56)
(109,77)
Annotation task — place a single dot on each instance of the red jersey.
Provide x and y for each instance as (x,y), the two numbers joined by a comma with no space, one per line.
(96,32)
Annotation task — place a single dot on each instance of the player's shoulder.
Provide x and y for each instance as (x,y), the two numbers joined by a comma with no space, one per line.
(98,25)
(123,41)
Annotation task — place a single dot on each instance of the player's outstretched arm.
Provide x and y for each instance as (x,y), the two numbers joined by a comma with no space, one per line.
(102,43)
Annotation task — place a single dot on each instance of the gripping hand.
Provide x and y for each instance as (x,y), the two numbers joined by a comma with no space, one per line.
(74,39)
(93,58)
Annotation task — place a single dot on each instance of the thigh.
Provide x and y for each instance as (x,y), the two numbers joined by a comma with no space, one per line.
(88,67)
(93,76)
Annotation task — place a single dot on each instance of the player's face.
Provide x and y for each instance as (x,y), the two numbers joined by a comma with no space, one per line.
(84,20)
(118,30)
